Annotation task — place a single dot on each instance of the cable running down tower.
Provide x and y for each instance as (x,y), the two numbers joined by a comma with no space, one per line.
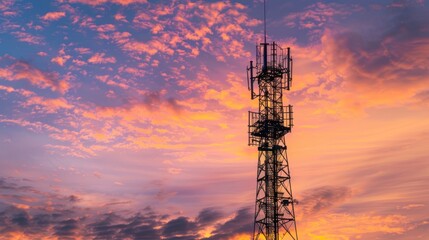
(274,208)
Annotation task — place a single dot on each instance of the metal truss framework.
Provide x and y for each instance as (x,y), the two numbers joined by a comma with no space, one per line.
(274,208)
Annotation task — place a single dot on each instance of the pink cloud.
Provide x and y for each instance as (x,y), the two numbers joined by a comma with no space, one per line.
(99,58)
(151,48)
(33,126)
(83,50)
(106,79)
(367,69)
(7,89)
(79,62)
(120,17)
(98,2)
(5,5)
(51,16)
(23,92)
(221,29)
(117,37)
(42,54)
(318,14)
(24,71)
(134,71)
(28,38)
(49,105)
(61,59)
(9,13)
(106,28)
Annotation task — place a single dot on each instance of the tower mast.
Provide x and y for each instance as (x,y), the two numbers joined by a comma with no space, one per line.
(274,207)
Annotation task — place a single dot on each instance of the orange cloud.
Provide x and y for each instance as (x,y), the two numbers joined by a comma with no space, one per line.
(61,59)
(215,20)
(99,58)
(21,206)
(241,237)
(24,71)
(23,92)
(50,16)
(7,89)
(49,105)
(120,17)
(376,69)
(345,226)
(235,96)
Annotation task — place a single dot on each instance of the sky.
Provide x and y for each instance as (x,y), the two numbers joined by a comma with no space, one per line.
(127,119)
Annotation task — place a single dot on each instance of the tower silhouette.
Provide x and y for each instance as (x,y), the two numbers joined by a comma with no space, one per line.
(274,207)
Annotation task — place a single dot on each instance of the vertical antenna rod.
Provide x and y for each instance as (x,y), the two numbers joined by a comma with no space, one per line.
(264,66)
(265,23)
(267,128)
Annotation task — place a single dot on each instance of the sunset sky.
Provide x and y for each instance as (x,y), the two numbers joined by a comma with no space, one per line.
(127,119)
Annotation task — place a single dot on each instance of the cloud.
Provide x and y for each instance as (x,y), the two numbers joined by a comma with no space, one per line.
(343,226)
(379,66)
(180,226)
(120,17)
(139,226)
(150,48)
(52,16)
(42,54)
(99,2)
(6,8)
(28,38)
(67,219)
(98,58)
(349,72)
(241,223)
(322,199)
(220,30)
(106,79)
(61,59)
(67,228)
(32,126)
(48,105)
(83,50)
(21,70)
(101,127)
(106,28)
(5,5)
(208,216)
(318,15)
(232,95)
(21,91)
(79,62)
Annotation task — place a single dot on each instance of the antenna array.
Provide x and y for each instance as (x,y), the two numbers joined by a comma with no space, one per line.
(267,78)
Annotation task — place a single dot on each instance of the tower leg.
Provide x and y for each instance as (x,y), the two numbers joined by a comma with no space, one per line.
(274,209)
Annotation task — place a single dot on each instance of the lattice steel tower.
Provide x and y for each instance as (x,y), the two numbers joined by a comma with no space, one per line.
(274,208)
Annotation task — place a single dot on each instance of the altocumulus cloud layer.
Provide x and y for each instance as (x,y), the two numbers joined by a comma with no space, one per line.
(126,119)
(50,215)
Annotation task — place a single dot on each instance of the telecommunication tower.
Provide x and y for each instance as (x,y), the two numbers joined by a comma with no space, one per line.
(274,208)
